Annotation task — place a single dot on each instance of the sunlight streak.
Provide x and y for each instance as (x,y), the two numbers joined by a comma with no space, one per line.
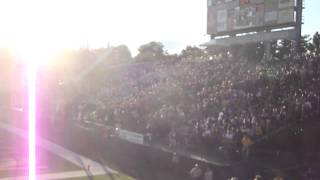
(32,69)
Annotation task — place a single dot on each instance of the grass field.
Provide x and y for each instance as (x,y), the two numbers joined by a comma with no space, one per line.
(14,162)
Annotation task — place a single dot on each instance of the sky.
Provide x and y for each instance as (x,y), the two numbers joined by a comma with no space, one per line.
(52,25)
(311,17)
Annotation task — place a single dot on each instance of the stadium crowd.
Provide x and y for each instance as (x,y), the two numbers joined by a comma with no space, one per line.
(202,104)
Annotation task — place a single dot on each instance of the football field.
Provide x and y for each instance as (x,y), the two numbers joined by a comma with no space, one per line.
(53,161)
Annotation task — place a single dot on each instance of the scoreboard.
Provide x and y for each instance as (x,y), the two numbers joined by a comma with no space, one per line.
(232,16)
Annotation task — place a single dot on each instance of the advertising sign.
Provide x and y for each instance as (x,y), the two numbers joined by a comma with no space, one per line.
(271,17)
(233,15)
(245,17)
(131,136)
(286,16)
(222,20)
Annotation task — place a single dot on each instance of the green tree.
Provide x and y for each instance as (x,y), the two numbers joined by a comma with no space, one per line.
(316,43)
(304,45)
(251,51)
(235,51)
(192,52)
(121,54)
(213,52)
(150,51)
(283,49)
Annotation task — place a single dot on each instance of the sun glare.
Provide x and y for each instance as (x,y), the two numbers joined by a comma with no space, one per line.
(32,71)
(35,56)
(39,56)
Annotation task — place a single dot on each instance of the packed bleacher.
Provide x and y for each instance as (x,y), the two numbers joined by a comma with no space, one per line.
(204,104)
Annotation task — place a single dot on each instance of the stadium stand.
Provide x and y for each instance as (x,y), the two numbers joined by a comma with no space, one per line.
(205,104)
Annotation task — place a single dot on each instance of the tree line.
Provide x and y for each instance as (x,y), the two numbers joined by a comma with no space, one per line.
(280,50)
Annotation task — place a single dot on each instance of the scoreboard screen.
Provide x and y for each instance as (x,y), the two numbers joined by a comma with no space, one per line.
(225,16)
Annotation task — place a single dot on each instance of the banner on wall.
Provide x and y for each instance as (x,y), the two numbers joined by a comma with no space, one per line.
(131,136)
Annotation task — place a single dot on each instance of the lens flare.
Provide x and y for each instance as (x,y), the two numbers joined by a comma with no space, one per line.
(32,69)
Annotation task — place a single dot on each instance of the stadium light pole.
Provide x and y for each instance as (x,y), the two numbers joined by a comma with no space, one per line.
(299,22)
(31,73)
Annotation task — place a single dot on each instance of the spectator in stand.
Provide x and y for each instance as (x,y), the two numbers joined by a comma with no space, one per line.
(191,105)
(208,175)
(278,178)
(258,177)
(175,162)
(246,143)
(196,172)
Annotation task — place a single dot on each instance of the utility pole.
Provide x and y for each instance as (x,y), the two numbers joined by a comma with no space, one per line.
(299,9)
